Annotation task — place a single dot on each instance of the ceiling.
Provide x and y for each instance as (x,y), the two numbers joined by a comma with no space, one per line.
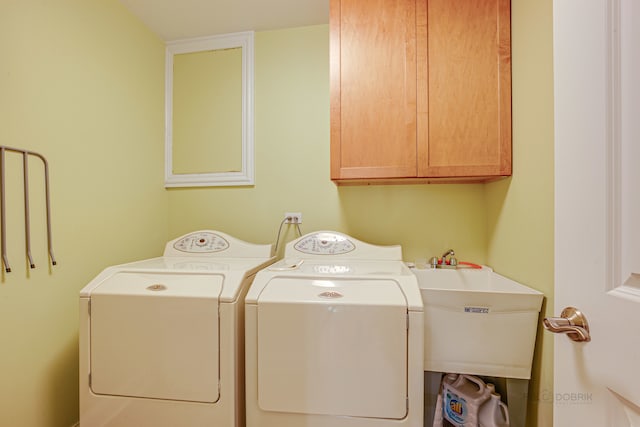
(179,19)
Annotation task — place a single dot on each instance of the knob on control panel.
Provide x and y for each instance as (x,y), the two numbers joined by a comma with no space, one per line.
(201,242)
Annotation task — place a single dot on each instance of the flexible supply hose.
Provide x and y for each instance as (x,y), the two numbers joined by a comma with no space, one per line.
(464,264)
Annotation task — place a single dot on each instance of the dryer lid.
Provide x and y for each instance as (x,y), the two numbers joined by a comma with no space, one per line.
(156,336)
(161,284)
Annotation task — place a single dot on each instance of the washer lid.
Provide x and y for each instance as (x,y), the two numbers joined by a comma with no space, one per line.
(333,347)
(333,290)
(156,336)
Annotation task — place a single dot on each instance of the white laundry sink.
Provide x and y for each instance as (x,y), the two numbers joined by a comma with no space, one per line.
(478,322)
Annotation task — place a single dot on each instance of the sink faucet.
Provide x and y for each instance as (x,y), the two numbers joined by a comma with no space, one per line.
(446,254)
(442,262)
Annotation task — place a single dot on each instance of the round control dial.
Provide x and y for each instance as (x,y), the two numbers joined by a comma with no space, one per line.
(325,244)
(201,242)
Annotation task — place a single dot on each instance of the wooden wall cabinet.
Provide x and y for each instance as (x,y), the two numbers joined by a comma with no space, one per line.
(420,90)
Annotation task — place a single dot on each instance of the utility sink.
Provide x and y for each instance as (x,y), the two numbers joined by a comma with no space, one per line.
(478,322)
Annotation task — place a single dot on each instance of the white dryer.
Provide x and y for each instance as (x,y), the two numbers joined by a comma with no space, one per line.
(162,340)
(334,337)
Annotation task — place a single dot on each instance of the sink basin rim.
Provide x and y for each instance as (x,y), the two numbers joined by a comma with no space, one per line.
(462,280)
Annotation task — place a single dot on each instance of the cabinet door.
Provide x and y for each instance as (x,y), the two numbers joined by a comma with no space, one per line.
(373,89)
(464,88)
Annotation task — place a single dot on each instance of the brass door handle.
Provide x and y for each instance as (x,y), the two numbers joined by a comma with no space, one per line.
(571,322)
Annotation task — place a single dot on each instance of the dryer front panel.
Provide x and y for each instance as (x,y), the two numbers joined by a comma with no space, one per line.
(156,336)
(333,347)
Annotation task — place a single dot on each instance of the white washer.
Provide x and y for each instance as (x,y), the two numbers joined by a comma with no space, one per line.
(162,340)
(334,337)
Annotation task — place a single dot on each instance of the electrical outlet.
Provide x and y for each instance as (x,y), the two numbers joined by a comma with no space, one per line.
(293,218)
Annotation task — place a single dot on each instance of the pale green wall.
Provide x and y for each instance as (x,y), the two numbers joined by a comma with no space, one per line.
(82,83)
(520,210)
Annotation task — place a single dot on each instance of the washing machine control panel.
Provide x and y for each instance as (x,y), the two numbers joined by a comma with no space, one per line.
(325,244)
(201,242)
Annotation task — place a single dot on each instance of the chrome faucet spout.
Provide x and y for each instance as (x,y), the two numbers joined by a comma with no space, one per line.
(449,252)
(452,262)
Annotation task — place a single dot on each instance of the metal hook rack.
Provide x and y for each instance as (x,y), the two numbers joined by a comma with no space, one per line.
(3,225)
